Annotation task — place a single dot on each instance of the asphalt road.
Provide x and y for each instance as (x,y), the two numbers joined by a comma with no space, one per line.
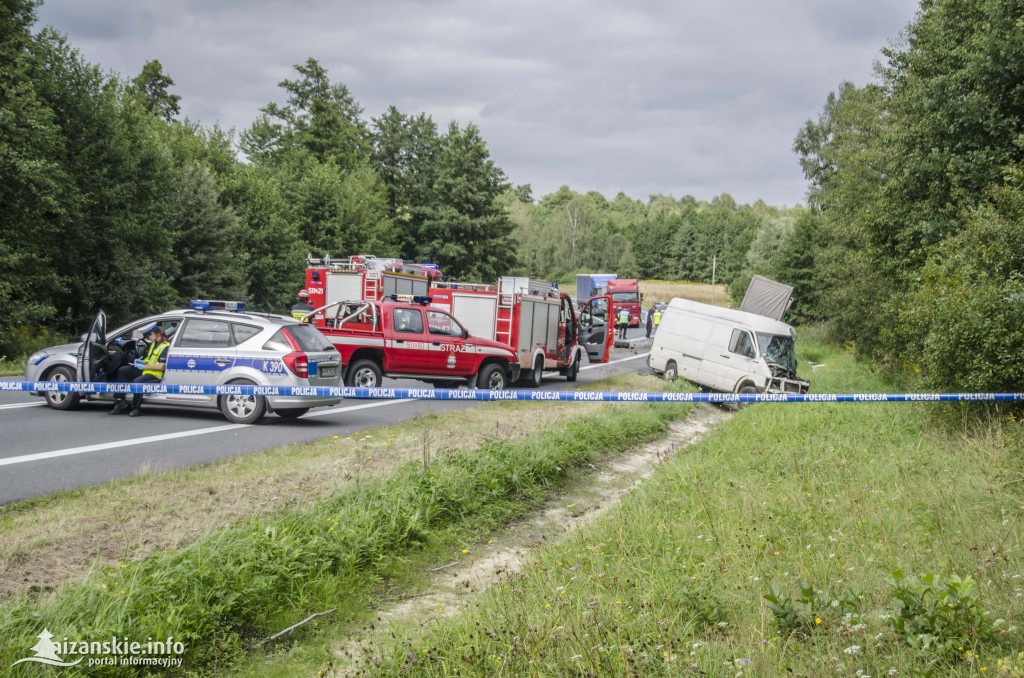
(44,451)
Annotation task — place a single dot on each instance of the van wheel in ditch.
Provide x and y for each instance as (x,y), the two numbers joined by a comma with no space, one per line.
(574,369)
(364,374)
(748,389)
(492,378)
(671,371)
(61,400)
(243,409)
(536,375)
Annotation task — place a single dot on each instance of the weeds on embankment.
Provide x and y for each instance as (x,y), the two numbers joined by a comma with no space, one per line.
(795,539)
(229,589)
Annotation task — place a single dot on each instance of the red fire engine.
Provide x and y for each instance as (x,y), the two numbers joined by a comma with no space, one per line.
(534,319)
(330,280)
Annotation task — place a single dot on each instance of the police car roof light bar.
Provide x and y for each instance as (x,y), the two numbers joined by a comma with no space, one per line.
(216,305)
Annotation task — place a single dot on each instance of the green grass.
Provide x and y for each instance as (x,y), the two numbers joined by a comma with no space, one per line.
(245,581)
(796,539)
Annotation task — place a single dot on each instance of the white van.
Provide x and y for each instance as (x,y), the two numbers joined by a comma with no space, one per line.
(723,349)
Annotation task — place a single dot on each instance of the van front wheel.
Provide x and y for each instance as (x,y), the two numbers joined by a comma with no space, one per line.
(671,371)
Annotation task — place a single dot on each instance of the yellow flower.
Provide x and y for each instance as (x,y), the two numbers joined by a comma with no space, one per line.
(465,551)
(817,620)
(618,602)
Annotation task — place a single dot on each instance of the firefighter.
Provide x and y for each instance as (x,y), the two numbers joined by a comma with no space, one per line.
(144,370)
(301,308)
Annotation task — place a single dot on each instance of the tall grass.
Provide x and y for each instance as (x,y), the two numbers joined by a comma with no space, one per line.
(263,574)
(796,539)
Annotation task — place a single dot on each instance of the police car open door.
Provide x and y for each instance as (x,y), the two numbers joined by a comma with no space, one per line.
(94,348)
(595,329)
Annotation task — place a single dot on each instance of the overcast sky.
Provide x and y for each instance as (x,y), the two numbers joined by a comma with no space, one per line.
(641,96)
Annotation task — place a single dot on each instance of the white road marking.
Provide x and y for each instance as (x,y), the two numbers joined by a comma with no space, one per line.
(204,431)
(172,436)
(17,405)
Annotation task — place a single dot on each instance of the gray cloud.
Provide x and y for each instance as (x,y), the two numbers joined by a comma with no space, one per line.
(651,96)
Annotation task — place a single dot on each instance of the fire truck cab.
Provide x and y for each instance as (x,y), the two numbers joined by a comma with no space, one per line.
(412,340)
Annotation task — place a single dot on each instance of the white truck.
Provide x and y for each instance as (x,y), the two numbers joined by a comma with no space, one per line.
(722,349)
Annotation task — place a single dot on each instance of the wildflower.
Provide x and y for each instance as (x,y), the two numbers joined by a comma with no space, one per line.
(618,602)
(465,551)
(853,649)
(817,620)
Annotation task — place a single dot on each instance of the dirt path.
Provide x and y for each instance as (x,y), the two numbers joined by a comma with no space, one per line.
(453,585)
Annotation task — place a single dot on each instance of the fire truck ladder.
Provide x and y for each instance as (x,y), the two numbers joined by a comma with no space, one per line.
(371,285)
(503,324)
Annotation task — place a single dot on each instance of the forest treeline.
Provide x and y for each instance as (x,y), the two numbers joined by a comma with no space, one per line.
(909,250)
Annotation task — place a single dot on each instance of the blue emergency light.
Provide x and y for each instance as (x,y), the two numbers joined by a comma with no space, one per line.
(216,305)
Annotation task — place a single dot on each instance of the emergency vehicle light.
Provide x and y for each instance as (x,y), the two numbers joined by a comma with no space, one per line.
(216,305)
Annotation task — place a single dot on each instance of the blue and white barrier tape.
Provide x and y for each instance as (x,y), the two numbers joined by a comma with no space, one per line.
(476,394)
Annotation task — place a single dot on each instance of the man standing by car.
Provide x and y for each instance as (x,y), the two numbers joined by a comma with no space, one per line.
(144,370)
(622,320)
(302,308)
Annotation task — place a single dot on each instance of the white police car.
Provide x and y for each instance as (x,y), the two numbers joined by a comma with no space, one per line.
(213,343)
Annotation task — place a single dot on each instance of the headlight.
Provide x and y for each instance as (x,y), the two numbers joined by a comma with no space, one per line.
(36,357)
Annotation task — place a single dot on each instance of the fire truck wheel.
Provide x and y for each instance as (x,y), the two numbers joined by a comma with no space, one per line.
(364,374)
(61,400)
(536,375)
(574,369)
(492,378)
(243,409)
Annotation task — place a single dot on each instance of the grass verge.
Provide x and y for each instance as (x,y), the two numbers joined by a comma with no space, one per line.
(796,539)
(239,583)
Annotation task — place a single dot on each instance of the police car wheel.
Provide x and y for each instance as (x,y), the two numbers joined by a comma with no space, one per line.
(364,374)
(61,400)
(492,378)
(242,409)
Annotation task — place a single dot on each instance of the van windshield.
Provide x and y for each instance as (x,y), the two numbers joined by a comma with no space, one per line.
(778,349)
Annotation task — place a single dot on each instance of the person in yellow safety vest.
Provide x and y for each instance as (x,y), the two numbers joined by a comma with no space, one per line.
(144,370)
(622,321)
(657,318)
(301,308)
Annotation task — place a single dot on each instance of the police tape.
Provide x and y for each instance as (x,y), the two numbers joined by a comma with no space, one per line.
(96,388)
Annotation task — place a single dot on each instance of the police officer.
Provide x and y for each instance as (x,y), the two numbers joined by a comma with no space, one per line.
(302,308)
(622,321)
(657,317)
(144,370)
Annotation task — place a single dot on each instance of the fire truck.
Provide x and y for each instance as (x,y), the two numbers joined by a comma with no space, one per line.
(626,292)
(413,340)
(330,280)
(535,320)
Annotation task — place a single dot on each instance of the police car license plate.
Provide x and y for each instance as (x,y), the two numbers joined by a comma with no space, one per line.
(329,371)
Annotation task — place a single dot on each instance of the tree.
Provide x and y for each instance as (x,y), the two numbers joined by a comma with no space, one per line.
(153,86)
(464,228)
(319,117)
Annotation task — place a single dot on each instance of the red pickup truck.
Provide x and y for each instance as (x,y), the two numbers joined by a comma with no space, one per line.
(414,341)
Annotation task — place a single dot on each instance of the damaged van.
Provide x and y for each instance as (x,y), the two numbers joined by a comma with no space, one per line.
(722,349)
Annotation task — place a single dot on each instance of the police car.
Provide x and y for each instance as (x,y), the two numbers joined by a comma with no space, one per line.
(212,343)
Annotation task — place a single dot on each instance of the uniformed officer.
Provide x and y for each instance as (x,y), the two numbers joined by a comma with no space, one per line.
(144,370)
(302,308)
